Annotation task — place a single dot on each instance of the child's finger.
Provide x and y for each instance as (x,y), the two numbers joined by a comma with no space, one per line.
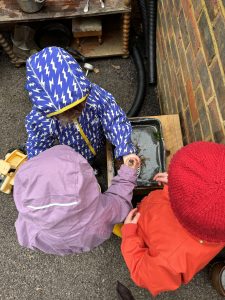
(130,216)
(161,178)
(136,218)
(160,175)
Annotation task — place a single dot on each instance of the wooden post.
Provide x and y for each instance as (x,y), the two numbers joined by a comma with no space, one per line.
(126,30)
(8,49)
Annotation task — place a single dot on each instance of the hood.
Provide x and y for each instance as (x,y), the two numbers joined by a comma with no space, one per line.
(56,189)
(55,81)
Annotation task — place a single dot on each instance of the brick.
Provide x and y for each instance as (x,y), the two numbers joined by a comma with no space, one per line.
(189,127)
(164,25)
(218,86)
(176,27)
(197,8)
(185,5)
(181,116)
(169,23)
(212,8)
(204,75)
(171,89)
(168,75)
(199,98)
(192,28)
(192,67)
(177,5)
(162,97)
(206,38)
(198,132)
(215,122)
(183,29)
(203,117)
(160,46)
(182,90)
(204,122)
(163,47)
(191,100)
(167,90)
(219,29)
(174,83)
(183,60)
(174,53)
(168,49)
(159,7)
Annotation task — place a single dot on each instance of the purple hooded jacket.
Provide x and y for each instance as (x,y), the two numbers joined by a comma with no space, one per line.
(61,209)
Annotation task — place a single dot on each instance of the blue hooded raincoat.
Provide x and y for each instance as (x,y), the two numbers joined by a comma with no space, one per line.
(56,83)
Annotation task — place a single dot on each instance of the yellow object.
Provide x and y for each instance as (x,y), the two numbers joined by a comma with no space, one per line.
(117,229)
(67,107)
(84,136)
(8,169)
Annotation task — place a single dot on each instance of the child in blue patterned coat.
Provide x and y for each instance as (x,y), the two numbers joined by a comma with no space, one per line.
(69,108)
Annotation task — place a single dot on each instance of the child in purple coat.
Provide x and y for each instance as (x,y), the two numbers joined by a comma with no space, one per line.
(61,208)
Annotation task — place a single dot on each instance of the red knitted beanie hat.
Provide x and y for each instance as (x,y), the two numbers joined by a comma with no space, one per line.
(196,185)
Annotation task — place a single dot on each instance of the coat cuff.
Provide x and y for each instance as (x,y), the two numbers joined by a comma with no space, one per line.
(125,150)
(129,230)
(127,172)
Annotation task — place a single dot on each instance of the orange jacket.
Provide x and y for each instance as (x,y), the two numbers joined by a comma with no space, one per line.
(159,252)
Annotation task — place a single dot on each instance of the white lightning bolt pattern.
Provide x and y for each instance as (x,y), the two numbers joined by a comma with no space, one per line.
(49,104)
(37,90)
(69,93)
(36,57)
(39,68)
(59,58)
(42,82)
(56,96)
(75,86)
(59,81)
(51,82)
(64,75)
(47,70)
(63,99)
(45,55)
(39,98)
(50,50)
(53,65)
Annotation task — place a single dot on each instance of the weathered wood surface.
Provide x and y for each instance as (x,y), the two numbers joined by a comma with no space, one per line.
(55,9)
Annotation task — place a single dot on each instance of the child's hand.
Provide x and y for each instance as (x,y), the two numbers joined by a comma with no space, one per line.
(132,217)
(161,178)
(132,161)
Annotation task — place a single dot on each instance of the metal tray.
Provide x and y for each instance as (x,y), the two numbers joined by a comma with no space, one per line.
(148,139)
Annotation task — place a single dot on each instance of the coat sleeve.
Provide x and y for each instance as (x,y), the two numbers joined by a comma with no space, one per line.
(116,126)
(147,270)
(117,199)
(40,133)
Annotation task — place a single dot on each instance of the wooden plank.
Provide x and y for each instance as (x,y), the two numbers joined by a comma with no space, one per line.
(55,9)
(110,163)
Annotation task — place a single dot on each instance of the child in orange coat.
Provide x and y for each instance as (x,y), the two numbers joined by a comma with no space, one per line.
(176,231)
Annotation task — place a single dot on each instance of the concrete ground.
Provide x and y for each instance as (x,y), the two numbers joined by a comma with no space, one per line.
(25,274)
